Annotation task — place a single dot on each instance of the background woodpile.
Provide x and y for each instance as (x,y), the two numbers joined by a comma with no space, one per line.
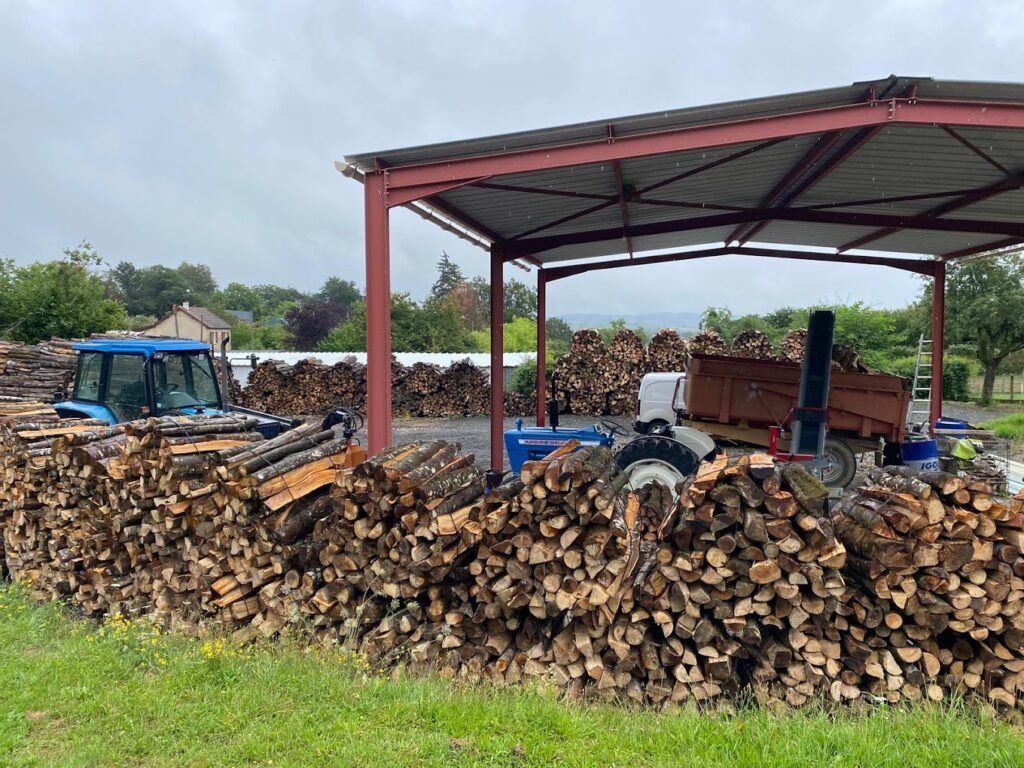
(753,344)
(422,389)
(36,371)
(747,584)
(667,352)
(593,378)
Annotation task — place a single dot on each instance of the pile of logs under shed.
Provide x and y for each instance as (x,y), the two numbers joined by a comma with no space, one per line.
(746,582)
(420,390)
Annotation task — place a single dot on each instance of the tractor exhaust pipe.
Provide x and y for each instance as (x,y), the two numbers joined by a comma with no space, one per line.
(225,371)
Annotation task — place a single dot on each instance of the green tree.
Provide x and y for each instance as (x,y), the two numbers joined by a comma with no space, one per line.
(985,306)
(433,327)
(557,330)
(241,297)
(66,298)
(718,319)
(520,301)
(344,293)
(448,276)
(619,324)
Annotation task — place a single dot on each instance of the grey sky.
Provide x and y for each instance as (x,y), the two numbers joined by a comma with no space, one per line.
(206,131)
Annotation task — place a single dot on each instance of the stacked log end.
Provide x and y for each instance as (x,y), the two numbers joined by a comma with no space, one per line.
(791,348)
(708,342)
(580,388)
(667,351)
(625,365)
(36,371)
(752,344)
(937,560)
(741,582)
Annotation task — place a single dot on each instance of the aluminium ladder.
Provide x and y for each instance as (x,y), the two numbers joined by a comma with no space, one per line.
(919,412)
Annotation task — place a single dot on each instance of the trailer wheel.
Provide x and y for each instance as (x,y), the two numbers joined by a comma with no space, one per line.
(840,464)
(656,457)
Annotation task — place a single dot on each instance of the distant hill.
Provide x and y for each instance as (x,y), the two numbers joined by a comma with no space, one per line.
(683,322)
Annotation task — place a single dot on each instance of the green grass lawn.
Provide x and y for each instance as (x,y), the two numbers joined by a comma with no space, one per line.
(1010,426)
(75,694)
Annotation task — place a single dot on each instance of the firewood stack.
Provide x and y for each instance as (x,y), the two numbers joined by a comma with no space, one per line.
(395,534)
(792,346)
(581,389)
(36,371)
(627,362)
(41,499)
(708,342)
(941,559)
(267,387)
(667,351)
(753,344)
(462,391)
(757,565)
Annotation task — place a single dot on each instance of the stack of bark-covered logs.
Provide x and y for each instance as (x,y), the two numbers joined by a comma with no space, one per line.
(909,590)
(791,348)
(36,371)
(753,344)
(939,563)
(178,516)
(584,377)
(667,352)
(423,389)
(708,342)
(625,365)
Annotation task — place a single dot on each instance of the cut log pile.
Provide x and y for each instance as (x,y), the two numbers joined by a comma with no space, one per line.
(708,343)
(310,387)
(938,562)
(745,583)
(581,375)
(791,348)
(667,351)
(626,363)
(36,371)
(753,344)
(173,516)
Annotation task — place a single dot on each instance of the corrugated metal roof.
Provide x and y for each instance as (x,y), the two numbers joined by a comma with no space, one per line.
(483,360)
(870,170)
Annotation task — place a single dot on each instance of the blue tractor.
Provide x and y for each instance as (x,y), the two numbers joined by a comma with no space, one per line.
(120,380)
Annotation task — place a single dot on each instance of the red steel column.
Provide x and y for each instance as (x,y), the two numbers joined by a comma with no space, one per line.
(938,340)
(378,315)
(497,356)
(542,344)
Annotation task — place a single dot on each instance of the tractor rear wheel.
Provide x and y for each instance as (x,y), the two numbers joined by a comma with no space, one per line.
(656,457)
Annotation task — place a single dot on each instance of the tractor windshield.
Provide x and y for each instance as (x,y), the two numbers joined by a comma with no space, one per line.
(184,380)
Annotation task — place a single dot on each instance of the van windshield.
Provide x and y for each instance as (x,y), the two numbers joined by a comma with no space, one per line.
(184,380)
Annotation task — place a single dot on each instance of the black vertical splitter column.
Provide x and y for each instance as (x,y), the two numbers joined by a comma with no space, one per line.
(811,414)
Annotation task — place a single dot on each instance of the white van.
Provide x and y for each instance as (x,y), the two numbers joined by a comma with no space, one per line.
(660,400)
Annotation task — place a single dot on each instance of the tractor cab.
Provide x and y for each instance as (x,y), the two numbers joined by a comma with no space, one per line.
(121,380)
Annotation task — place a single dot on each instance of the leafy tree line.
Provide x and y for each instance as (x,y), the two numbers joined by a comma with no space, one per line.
(76,295)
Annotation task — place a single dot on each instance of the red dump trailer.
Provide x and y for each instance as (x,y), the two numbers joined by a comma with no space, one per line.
(734,398)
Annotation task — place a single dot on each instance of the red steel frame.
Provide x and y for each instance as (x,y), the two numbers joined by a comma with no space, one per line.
(400,185)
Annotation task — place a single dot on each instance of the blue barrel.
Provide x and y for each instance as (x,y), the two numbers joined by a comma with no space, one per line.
(921,454)
(951,427)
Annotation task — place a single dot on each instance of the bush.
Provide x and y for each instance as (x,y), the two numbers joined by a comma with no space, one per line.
(524,378)
(956,373)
